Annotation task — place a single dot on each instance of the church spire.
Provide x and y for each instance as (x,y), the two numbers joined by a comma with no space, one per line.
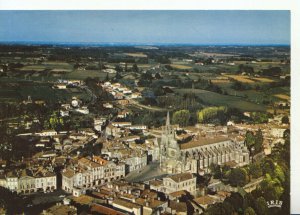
(168,119)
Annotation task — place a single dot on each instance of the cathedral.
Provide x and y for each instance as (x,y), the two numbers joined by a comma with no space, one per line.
(197,155)
(170,158)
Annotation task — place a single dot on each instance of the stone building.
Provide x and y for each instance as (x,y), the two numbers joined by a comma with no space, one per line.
(197,155)
(181,181)
(90,172)
(30,180)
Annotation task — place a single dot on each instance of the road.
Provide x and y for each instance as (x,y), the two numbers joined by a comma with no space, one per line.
(151,108)
(149,172)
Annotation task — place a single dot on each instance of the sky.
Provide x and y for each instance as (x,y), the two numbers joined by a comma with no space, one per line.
(147,27)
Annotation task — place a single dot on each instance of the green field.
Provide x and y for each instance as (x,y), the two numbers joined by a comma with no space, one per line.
(83,74)
(38,91)
(224,100)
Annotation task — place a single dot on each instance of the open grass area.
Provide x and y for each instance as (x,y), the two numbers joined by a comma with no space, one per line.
(265,80)
(225,100)
(180,66)
(283,96)
(17,91)
(220,81)
(51,65)
(83,74)
(241,78)
(37,68)
(140,54)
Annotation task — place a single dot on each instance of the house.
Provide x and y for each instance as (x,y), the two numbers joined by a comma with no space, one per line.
(152,206)
(137,127)
(129,207)
(205,201)
(122,114)
(60,209)
(60,86)
(47,133)
(83,110)
(278,132)
(181,181)
(108,105)
(64,112)
(136,95)
(121,124)
(101,209)
(123,102)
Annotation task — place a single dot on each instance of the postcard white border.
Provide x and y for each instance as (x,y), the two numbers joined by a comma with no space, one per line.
(292,5)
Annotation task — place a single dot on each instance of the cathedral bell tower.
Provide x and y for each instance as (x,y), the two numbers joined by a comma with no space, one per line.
(170,154)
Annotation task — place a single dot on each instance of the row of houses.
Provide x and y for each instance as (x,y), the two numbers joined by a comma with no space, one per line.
(88,172)
(29,180)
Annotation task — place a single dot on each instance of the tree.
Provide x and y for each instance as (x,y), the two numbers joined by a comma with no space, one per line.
(211,113)
(135,68)
(261,206)
(255,170)
(107,77)
(249,211)
(238,177)
(279,173)
(181,117)
(236,200)
(216,170)
(250,141)
(285,120)
(249,201)
(258,141)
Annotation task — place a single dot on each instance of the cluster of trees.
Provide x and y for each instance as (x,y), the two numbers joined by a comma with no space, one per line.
(181,117)
(234,176)
(245,68)
(254,142)
(211,114)
(260,117)
(272,71)
(207,85)
(237,85)
(276,185)
(55,121)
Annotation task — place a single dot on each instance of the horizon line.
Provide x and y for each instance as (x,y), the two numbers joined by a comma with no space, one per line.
(135,43)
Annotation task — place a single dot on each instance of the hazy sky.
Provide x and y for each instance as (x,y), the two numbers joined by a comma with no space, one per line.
(198,27)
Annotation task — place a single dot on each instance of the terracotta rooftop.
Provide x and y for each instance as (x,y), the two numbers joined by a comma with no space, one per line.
(181,177)
(156,183)
(205,200)
(178,206)
(126,204)
(62,210)
(68,173)
(100,209)
(153,203)
(178,193)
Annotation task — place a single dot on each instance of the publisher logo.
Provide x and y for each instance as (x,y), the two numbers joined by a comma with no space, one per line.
(274,204)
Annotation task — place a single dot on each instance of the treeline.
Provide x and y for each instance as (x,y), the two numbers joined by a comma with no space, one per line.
(209,114)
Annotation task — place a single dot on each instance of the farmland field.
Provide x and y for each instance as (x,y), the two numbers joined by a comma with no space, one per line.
(38,91)
(83,74)
(241,78)
(265,80)
(136,54)
(180,66)
(230,101)
(283,96)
